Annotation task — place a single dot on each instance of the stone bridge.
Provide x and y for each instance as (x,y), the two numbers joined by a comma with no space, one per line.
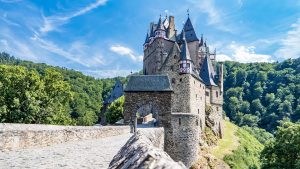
(49,146)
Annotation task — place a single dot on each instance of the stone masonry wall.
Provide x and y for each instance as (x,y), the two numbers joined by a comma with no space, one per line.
(17,136)
(185,137)
(145,150)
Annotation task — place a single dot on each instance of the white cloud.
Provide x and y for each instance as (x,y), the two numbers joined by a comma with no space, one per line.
(52,22)
(208,7)
(8,21)
(223,57)
(124,51)
(290,45)
(78,52)
(243,54)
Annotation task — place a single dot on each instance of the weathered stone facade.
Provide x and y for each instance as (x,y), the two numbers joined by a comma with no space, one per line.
(195,81)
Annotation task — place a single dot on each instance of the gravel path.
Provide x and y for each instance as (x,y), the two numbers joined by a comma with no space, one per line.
(82,154)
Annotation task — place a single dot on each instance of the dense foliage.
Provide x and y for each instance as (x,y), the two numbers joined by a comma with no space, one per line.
(27,97)
(87,92)
(284,152)
(247,154)
(262,94)
(114,111)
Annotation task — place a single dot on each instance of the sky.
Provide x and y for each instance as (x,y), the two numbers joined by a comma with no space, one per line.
(104,38)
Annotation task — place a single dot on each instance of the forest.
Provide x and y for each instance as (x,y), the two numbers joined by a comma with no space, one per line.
(39,93)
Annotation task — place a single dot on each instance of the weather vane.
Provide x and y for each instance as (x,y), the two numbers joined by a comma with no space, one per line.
(188,12)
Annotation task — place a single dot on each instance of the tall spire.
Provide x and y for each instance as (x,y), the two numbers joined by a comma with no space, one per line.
(190,32)
(147,38)
(160,24)
(185,53)
(201,41)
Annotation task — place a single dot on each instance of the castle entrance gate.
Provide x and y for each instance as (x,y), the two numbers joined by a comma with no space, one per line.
(145,95)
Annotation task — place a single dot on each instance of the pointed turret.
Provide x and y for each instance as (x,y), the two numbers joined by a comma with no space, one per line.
(160,29)
(207,73)
(189,31)
(147,39)
(185,62)
(201,41)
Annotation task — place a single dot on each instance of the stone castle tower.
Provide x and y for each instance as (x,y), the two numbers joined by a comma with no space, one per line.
(183,83)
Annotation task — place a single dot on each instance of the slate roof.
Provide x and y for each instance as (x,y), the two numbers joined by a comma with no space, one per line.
(152,29)
(207,72)
(148,83)
(147,38)
(116,92)
(184,54)
(160,25)
(190,33)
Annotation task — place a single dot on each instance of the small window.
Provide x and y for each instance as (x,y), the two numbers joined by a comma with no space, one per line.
(198,111)
(207,93)
(194,82)
(217,108)
(197,123)
(172,68)
(200,85)
(196,95)
(179,122)
(173,80)
(180,79)
(175,56)
(217,94)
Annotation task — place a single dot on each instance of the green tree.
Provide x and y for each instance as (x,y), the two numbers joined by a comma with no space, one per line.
(115,110)
(284,151)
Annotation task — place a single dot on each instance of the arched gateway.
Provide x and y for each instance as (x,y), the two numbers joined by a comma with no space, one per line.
(148,94)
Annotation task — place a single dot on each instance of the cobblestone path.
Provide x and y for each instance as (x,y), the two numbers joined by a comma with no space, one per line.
(82,154)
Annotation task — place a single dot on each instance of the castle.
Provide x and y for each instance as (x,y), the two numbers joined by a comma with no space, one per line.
(181,85)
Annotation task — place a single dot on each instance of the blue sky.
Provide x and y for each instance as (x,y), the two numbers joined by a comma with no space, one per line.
(104,38)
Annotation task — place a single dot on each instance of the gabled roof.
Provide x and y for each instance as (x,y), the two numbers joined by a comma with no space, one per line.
(148,83)
(174,51)
(184,54)
(189,31)
(207,72)
(116,92)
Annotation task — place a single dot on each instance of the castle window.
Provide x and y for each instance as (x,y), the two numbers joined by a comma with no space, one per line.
(197,123)
(217,108)
(200,85)
(198,111)
(201,124)
(173,80)
(180,79)
(207,93)
(174,56)
(194,82)
(196,95)
(217,94)
(179,122)
(172,68)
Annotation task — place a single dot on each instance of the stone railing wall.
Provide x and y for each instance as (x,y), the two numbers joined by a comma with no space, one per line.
(145,150)
(17,136)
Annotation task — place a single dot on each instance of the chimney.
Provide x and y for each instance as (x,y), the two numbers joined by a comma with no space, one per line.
(171,28)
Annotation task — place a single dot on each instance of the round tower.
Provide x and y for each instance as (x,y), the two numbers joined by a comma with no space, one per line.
(185,137)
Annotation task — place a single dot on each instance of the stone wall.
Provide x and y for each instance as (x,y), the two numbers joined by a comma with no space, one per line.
(185,137)
(17,136)
(145,150)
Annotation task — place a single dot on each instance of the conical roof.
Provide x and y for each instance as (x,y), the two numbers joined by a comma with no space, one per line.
(207,72)
(189,31)
(160,25)
(185,53)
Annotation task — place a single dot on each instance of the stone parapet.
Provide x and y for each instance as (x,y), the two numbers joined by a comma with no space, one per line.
(17,136)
